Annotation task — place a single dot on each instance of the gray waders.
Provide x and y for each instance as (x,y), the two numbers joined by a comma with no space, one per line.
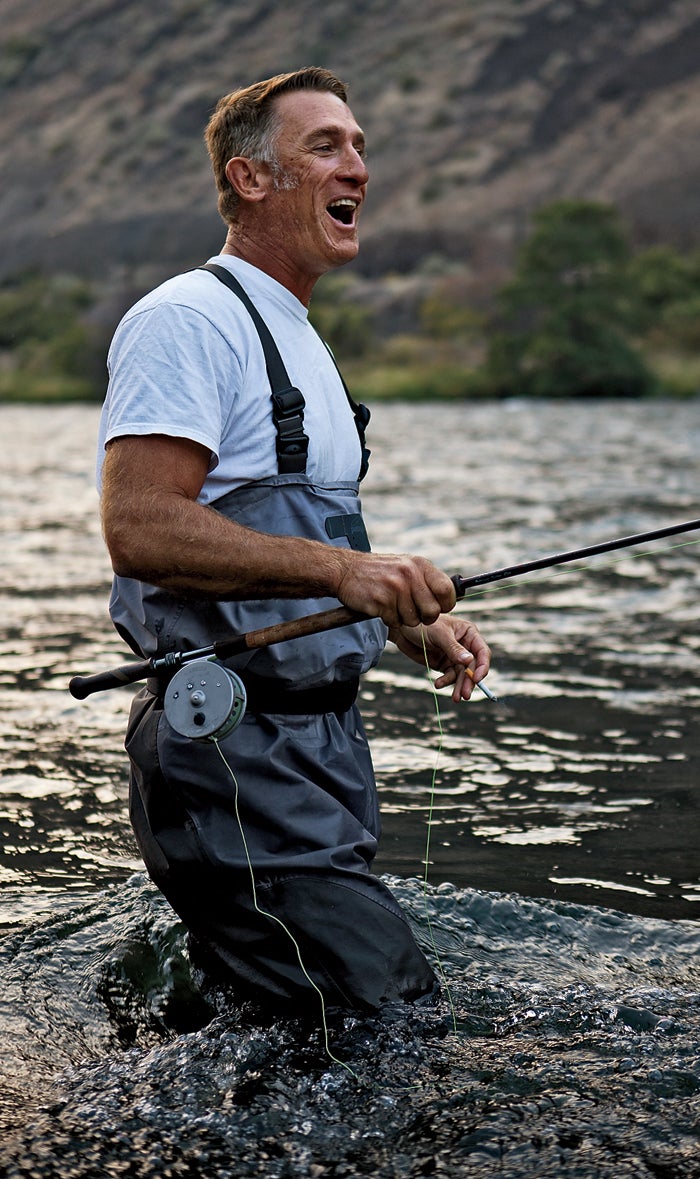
(304,792)
(266,856)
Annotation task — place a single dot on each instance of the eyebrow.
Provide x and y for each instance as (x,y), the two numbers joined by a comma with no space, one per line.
(335,132)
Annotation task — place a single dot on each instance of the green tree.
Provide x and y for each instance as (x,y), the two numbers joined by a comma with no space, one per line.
(566,315)
(680,324)
(38,307)
(667,286)
(48,345)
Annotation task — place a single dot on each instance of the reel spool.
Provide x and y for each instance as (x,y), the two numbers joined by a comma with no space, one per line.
(205,700)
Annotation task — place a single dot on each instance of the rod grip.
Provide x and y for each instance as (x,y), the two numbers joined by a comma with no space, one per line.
(457,582)
(82,686)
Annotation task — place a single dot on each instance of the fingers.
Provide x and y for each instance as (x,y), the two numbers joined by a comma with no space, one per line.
(401,590)
(463,680)
(464,686)
(480,650)
(462,654)
(410,594)
(423,593)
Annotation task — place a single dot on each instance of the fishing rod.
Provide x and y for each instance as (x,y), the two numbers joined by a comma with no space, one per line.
(130,673)
(462,584)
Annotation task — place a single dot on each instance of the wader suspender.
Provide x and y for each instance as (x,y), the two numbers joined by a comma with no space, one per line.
(288,402)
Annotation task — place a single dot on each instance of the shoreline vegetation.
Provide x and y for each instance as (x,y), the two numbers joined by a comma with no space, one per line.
(582,315)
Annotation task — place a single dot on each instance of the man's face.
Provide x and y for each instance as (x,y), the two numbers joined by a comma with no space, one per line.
(312,209)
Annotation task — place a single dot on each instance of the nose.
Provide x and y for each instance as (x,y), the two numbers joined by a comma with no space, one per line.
(353,166)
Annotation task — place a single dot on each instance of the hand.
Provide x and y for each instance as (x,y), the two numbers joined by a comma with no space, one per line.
(401,590)
(454,646)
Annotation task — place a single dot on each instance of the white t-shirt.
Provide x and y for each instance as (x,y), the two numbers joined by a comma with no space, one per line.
(186,361)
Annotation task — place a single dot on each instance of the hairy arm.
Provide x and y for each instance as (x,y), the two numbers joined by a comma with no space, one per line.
(156,531)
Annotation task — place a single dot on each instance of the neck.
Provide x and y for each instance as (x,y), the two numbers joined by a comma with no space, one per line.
(239,244)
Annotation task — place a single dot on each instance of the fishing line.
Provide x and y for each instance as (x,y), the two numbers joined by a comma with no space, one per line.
(431,808)
(278,921)
(510,584)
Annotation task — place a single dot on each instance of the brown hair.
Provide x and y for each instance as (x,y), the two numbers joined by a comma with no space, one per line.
(244,124)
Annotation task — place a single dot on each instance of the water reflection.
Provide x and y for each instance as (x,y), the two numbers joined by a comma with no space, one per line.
(581,783)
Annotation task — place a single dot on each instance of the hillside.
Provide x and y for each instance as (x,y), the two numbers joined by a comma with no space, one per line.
(476,112)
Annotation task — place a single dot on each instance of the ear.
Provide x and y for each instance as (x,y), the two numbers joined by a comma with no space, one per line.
(248,178)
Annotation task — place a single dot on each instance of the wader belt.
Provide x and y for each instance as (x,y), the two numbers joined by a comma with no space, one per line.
(268,696)
(287,401)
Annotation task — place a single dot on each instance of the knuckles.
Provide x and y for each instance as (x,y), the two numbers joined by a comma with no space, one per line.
(403,589)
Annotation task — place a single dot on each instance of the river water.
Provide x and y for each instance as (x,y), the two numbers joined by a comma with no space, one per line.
(546,847)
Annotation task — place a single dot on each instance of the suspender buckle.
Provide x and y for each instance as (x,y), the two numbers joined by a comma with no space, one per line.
(292,442)
(288,402)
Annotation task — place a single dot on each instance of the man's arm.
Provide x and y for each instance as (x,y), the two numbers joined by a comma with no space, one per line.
(157,532)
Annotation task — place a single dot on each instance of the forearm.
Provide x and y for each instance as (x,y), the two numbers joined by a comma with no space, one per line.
(187,548)
(157,531)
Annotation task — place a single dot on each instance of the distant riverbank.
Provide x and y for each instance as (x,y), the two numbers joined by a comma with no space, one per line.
(679,379)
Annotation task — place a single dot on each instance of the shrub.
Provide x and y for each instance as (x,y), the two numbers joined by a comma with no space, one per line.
(566,314)
(49,347)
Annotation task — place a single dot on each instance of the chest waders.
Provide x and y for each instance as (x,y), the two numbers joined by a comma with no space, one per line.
(295,802)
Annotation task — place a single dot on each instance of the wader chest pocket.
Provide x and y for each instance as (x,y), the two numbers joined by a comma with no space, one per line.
(352,526)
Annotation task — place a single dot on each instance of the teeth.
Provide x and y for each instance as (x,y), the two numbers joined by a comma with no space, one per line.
(342,210)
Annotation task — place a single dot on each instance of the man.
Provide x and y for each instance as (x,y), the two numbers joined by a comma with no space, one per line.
(226,508)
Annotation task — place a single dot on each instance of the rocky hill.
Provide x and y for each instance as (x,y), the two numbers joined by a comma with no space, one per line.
(476,112)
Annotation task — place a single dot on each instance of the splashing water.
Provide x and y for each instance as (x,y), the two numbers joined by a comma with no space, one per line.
(571,1049)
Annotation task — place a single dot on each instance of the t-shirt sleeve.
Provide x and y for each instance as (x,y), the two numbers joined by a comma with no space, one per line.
(171,372)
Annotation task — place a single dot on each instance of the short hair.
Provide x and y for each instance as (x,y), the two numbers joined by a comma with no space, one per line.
(244,124)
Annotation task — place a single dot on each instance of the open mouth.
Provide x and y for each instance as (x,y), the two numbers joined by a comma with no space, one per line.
(343,210)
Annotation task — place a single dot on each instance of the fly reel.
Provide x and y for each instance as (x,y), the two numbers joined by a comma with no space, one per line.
(205,700)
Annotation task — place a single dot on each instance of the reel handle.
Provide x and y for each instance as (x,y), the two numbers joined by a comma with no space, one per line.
(82,686)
